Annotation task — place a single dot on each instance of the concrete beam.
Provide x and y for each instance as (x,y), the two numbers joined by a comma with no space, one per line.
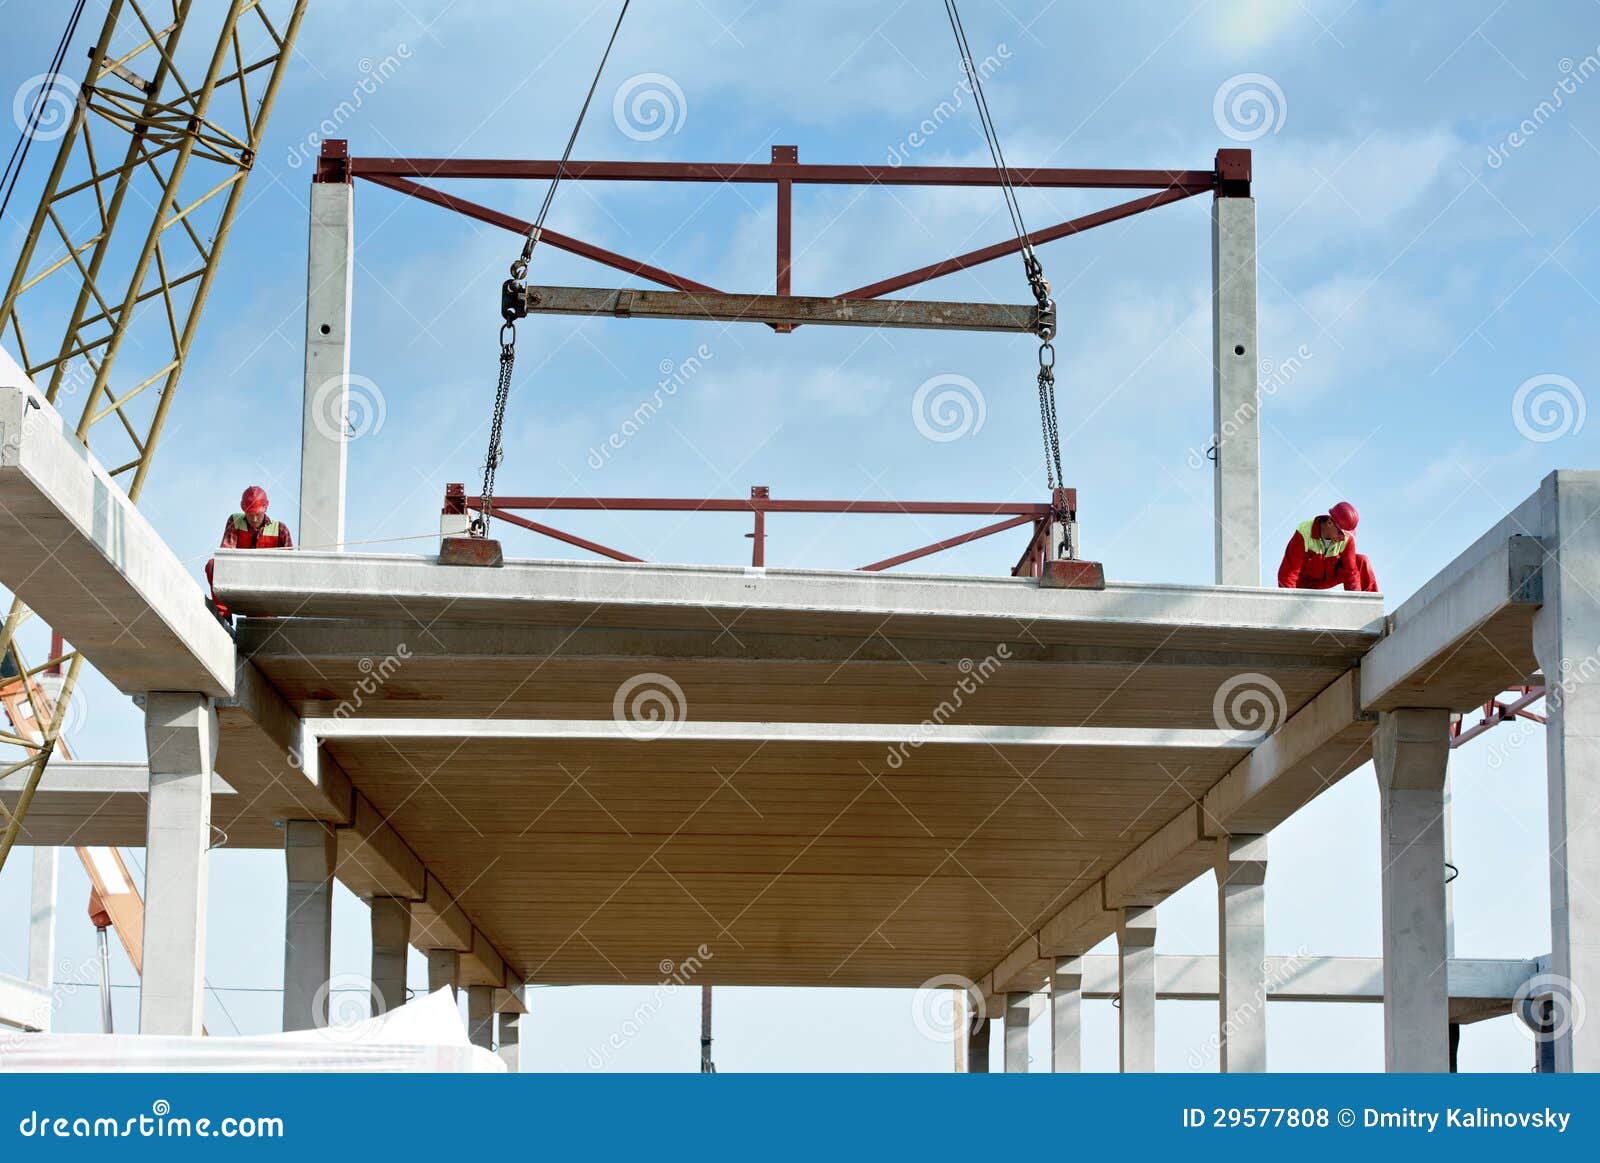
(74,548)
(310,853)
(1170,859)
(1566,634)
(926,734)
(1082,924)
(91,804)
(1236,407)
(1479,988)
(374,861)
(181,734)
(330,265)
(437,921)
(269,758)
(1410,752)
(1313,749)
(1462,642)
(1018,969)
(482,965)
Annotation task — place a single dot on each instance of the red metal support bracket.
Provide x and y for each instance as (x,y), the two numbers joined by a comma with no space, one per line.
(333,162)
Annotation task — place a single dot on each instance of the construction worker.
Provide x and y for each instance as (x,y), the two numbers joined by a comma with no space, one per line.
(1322,554)
(250,528)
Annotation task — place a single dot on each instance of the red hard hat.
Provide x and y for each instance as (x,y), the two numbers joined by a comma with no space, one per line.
(255,500)
(1345,516)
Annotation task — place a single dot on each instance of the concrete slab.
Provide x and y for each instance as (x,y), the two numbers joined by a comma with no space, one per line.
(386,636)
(75,549)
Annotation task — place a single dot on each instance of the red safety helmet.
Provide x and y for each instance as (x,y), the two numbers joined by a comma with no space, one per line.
(1345,516)
(255,500)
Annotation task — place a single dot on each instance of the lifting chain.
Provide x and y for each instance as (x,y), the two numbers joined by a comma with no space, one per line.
(502,393)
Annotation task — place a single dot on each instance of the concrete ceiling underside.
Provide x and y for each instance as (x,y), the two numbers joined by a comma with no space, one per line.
(795,863)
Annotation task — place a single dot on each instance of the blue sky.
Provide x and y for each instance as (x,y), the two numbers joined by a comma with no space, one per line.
(1418,263)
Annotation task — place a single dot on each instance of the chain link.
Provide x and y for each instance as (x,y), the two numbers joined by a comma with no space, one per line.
(1047,362)
(508,359)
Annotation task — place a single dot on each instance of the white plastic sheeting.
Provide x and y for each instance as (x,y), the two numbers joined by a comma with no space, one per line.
(425,1035)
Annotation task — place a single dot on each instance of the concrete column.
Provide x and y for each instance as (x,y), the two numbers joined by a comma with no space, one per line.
(1235,397)
(181,736)
(480,1015)
(330,261)
(1410,751)
(1136,968)
(1242,953)
(1016,1032)
(510,1049)
(42,917)
(391,943)
(1066,1016)
(444,969)
(1566,639)
(978,1047)
(309,856)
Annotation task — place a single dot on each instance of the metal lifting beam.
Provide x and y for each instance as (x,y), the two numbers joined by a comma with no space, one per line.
(518,301)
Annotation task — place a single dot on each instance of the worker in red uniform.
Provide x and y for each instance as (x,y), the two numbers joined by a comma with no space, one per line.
(250,528)
(1322,554)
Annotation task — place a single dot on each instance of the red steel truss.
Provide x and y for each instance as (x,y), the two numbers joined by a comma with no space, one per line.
(1012,514)
(1228,177)
(1497,711)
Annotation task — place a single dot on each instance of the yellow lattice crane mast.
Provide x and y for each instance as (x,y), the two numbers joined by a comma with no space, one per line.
(103,305)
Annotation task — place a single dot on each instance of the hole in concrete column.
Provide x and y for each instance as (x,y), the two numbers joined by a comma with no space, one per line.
(1238,348)
(326,330)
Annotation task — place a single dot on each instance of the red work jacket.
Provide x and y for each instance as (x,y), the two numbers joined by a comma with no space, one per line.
(1314,563)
